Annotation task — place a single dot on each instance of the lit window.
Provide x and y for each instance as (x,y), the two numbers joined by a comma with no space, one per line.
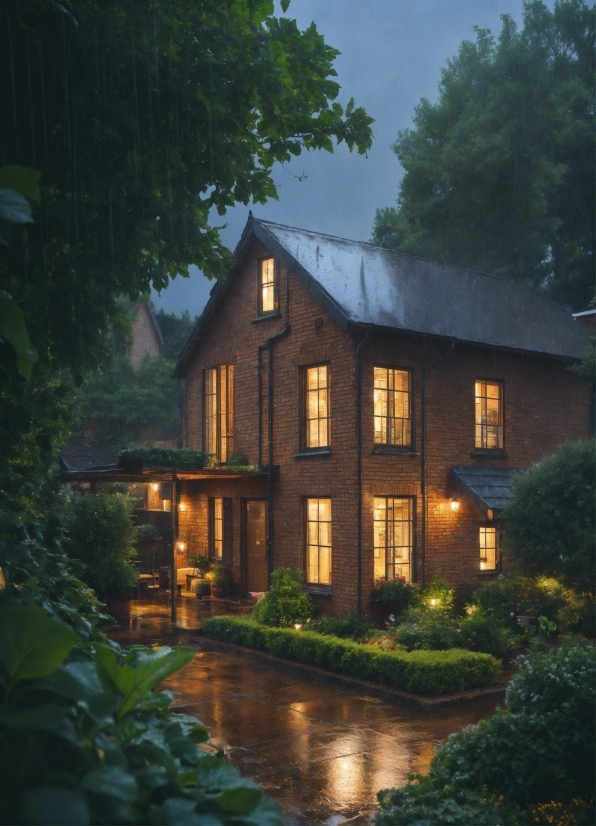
(317,415)
(393,536)
(219,411)
(393,424)
(267,286)
(216,522)
(488,549)
(318,541)
(489,415)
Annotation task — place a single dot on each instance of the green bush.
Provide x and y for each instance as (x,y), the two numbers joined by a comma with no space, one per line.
(84,738)
(437,595)
(396,593)
(286,602)
(353,626)
(524,764)
(421,672)
(479,632)
(148,533)
(510,596)
(102,535)
(434,630)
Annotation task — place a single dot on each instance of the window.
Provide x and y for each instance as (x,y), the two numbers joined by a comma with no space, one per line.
(219,411)
(318,541)
(489,552)
(489,415)
(393,423)
(393,536)
(268,302)
(216,528)
(317,430)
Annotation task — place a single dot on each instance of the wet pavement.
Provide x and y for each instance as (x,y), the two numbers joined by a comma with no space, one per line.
(322,750)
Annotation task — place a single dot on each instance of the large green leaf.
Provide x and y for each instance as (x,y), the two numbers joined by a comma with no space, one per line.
(53,805)
(14,331)
(29,719)
(179,811)
(112,781)
(24,180)
(32,644)
(267,813)
(241,800)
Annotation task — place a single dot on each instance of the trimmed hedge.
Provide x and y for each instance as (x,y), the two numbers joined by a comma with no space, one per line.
(421,672)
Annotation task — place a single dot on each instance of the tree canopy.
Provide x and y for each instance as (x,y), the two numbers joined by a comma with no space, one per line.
(499,172)
(145,119)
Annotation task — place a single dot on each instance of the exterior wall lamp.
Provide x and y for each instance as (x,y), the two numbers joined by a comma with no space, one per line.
(454,503)
(182,506)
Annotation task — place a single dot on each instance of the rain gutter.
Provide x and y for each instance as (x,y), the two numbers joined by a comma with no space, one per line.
(423,492)
(359,473)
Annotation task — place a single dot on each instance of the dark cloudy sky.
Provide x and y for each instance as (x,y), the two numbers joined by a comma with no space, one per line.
(392,52)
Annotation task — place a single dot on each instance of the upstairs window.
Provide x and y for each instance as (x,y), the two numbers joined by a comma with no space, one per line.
(489,415)
(268,292)
(489,552)
(392,406)
(393,522)
(317,421)
(318,541)
(219,411)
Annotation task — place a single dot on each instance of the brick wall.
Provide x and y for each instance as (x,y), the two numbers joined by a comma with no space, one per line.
(545,405)
(145,340)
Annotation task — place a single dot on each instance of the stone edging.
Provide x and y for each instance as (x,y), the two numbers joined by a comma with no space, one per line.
(385,692)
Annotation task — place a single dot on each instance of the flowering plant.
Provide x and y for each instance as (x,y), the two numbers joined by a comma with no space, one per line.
(394,590)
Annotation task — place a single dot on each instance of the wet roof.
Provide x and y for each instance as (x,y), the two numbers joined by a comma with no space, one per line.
(487,488)
(360,284)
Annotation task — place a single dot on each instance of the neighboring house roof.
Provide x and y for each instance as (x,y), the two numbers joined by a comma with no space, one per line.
(487,488)
(587,317)
(80,453)
(360,284)
(146,335)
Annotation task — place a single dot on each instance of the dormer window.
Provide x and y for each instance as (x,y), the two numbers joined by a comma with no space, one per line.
(268,291)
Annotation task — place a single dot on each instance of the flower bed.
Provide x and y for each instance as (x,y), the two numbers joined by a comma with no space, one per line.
(420,672)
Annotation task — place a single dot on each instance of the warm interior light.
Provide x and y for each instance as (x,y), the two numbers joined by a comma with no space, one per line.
(454,504)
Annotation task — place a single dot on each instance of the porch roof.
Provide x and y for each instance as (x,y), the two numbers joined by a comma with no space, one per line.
(158,474)
(489,489)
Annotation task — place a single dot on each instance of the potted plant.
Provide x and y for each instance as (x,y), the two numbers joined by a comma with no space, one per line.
(392,595)
(102,536)
(217,580)
(200,562)
(202,588)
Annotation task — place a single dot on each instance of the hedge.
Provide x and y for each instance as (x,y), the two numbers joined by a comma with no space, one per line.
(420,672)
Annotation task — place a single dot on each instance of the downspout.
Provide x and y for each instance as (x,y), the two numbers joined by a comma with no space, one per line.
(359,448)
(423,457)
(173,581)
(270,341)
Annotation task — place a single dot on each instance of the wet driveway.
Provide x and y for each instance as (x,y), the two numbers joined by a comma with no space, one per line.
(321,750)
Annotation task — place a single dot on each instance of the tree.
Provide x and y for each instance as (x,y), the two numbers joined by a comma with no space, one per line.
(175,331)
(499,172)
(549,524)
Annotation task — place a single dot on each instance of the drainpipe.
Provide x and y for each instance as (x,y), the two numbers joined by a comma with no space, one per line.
(359,448)
(174,510)
(423,457)
(270,340)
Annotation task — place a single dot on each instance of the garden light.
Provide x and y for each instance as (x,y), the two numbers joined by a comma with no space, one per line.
(434,603)
(297,625)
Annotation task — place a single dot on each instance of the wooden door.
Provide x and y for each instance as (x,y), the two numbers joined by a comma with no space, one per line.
(255,536)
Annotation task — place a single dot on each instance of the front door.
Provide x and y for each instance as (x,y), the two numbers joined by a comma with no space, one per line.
(255,539)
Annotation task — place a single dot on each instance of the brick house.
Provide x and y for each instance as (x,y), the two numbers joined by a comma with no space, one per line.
(146,335)
(389,399)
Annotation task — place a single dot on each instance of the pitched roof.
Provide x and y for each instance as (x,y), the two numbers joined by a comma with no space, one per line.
(80,453)
(360,284)
(487,488)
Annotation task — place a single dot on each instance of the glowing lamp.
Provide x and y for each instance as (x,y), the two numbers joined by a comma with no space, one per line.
(297,625)
(181,506)
(434,603)
(454,504)
(155,486)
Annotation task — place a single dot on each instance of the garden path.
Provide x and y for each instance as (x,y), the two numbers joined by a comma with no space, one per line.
(321,750)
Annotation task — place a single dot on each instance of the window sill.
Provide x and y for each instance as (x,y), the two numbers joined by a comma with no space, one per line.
(496,453)
(319,590)
(313,454)
(491,572)
(267,317)
(393,450)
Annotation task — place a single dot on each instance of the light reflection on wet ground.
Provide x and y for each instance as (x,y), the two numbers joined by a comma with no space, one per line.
(322,750)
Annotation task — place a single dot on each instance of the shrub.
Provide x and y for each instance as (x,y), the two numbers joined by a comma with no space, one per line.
(549,523)
(535,758)
(397,593)
(102,536)
(285,602)
(147,533)
(506,598)
(432,629)
(354,626)
(437,595)
(84,738)
(421,672)
(479,632)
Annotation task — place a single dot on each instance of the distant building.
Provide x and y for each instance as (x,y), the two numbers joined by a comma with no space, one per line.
(146,335)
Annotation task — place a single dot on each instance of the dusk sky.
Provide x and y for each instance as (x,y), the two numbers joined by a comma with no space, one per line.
(392,52)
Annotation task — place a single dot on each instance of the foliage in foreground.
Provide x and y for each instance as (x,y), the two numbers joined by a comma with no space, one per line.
(286,602)
(421,672)
(85,739)
(550,522)
(523,765)
(498,173)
